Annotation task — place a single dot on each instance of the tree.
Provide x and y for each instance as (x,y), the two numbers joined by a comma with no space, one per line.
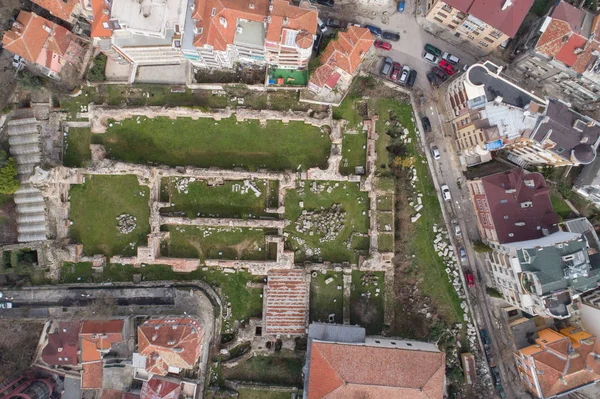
(547,171)
(8,177)
(96,72)
(564,189)
(30,81)
(494,293)
(480,247)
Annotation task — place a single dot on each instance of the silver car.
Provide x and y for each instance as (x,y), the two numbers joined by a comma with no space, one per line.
(446,192)
(435,153)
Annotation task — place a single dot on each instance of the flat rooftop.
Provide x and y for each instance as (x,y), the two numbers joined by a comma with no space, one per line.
(250,33)
(148,16)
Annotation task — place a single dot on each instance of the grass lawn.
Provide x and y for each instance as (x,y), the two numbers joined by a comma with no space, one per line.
(77,152)
(291,77)
(354,152)
(225,144)
(354,202)
(250,393)
(282,368)
(559,205)
(245,302)
(326,299)
(95,205)
(217,243)
(367,311)
(203,200)
(385,242)
(385,203)
(385,218)
(81,272)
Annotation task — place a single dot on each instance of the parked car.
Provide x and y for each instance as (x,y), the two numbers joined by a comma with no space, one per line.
(328,3)
(396,68)
(17,61)
(412,78)
(433,50)
(465,67)
(321,25)
(470,279)
(374,29)
(450,58)
(463,255)
(383,45)
(6,305)
(426,124)
(439,73)
(393,36)
(457,229)
(334,23)
(401,6)
(431,78)
(435,152)
(404,76)
(387,66)
(446,192)
(447,67)
(432,59)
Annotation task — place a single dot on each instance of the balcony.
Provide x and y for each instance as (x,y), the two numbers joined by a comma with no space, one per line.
(558,304)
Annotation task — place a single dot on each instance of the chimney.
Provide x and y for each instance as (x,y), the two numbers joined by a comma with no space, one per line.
(154,337)
(506,4)
(171,342)
(60,350)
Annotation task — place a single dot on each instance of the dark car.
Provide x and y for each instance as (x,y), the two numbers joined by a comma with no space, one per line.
(328,3)
(393,36)
(387,66)
(426,124)
(412,77)
(431,78)
(396,71)
(439,73)
(374,29)
(334,23)
(317,43)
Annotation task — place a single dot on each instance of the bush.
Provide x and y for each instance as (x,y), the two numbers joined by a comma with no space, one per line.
(547,171)
(30,81)
(8,177)
(96,72)
(494,293)
(565,190)
(480,247)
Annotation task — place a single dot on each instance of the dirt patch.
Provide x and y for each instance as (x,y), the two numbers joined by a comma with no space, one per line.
(366,311)
(8,221)
(249,75)
(22,335)
(244,246)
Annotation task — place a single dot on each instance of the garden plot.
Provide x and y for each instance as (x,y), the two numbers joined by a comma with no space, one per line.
(231,243)
(354,152)
(225,144)
(327,297)
(231,199)
(326,217)
(366,300)
(109,215)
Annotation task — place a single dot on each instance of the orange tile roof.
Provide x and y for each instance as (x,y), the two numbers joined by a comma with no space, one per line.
(286,301)
(100,17)
(27,36)
(97,336)
(159,389)
(170,342)
(352,371)
(288,16)
(59,8)
(91,377)
(345,53)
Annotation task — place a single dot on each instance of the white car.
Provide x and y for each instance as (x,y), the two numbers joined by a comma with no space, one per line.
(17,61)
(432,59)
(446,192)
(457,230)
(435,152)
(450,58)
(404,76)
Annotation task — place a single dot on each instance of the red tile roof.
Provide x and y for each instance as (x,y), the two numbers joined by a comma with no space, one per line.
(97,336)
(345,53)
(91,377)
(288,16)
(27,36)
(62,345)
(170,342)
(159,389)
(491,12)
(567,55)
(286,302)
(505,193)
(59,8)
(359,371)
(101,11)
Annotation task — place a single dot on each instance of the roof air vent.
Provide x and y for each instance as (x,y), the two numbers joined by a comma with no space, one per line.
(526,204)
(251,5)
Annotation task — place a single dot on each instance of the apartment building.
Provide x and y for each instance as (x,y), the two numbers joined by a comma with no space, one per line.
(67,10)
(559,362)
(486,24)
(560,55)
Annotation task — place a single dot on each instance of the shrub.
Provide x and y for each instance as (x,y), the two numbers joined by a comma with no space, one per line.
(8,177)
(480,247)
(96,72)
(494,293)
(30,81)
(565,189)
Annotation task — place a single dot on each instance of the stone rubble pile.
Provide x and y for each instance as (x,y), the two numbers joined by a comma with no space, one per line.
(325,222)
(126,223)
(181,185)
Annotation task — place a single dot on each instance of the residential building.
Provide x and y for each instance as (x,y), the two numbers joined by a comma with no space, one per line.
(341,362)
(67,10)
(254,32)
(486,24)
(160,389)
(43,43)
(543,276)
(512,206)
(286,302)
(587,183)
(560,55)
(97,338)
(559,362)
(340,59)
(62,348)
(170,344)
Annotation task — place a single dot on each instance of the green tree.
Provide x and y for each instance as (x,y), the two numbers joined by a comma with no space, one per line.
(547,171)
(96,72)
(564,189)
(480,247)
(29,81)
(8,177)
(494,293)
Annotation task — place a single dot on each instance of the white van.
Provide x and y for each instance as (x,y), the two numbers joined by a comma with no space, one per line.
(322,25)
(451,58)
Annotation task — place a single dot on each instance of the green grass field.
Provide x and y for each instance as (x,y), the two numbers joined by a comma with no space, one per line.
(77,152)
(281,368)
(385,203)
(352,200)
(326,299)
(81,272)
(367,311)
(385,242)
(95,206)
(203,200)
(216,243)
(559,205)
(225,144)
(354,153)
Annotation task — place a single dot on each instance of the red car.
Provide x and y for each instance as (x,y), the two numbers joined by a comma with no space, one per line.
(396,68)
(383,45)
(446,66)
(470,279)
